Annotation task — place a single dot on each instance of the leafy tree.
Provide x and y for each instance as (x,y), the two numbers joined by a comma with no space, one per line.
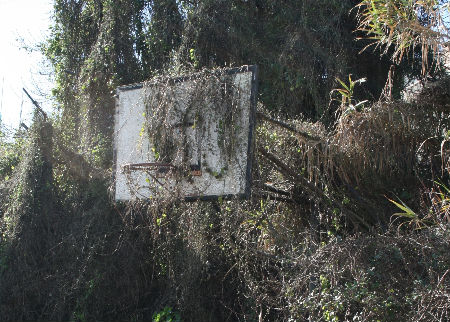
(161,36)
(301,47)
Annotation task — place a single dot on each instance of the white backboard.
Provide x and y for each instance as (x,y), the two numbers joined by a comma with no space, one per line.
(188,137)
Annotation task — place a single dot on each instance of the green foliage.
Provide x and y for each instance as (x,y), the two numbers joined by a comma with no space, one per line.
(81,309)
(10,155)
(300,49)
(26,213)
(435,213)
(405,25)
(162,36)
(368,279)
(347,92)
(166,315)
(407,212)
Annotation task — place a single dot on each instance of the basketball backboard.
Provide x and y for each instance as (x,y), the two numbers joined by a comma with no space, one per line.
(187,137)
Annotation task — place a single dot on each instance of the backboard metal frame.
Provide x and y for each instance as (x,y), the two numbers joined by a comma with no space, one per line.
(251,123)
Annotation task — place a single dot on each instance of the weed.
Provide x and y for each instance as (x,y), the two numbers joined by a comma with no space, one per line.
(166,315)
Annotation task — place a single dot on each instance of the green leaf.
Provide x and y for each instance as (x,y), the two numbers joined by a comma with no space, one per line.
(343,84)
(408,212)
(442,186)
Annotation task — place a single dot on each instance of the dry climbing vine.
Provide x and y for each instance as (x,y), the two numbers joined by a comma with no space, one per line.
(184,115)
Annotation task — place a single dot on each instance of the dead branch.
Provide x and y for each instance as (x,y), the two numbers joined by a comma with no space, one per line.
(289,127)
(311,188)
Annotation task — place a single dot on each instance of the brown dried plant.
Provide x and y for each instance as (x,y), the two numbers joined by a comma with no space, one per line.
(404,25)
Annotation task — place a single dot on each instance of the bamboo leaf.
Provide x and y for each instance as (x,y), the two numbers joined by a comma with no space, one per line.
(408,212)
(343,84)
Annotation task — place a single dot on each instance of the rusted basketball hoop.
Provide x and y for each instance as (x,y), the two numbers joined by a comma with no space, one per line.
(160,170)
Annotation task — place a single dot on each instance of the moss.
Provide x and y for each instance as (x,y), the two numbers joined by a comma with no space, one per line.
(217,174)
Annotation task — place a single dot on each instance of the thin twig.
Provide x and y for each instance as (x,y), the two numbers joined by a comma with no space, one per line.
(276,190)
